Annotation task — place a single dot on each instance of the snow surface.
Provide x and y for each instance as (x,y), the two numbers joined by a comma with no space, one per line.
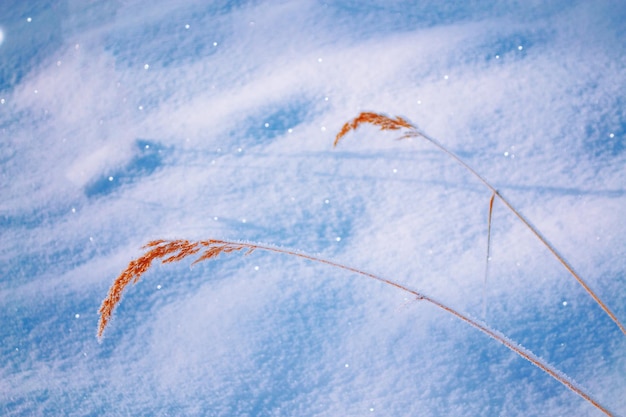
(127,121)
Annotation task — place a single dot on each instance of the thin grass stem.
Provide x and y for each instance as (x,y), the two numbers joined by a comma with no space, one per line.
(176,250)
(386,123)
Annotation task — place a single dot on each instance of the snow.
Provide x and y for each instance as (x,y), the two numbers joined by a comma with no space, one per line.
(125,122)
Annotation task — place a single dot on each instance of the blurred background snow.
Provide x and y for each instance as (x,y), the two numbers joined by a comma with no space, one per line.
(126,121)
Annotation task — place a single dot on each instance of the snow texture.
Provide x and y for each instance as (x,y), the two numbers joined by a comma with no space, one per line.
(127,121)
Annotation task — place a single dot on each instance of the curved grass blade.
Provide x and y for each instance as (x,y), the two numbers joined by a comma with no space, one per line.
(387,123)
(180,249)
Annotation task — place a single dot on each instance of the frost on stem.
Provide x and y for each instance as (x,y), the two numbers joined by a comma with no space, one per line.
(176,250)
(387,123)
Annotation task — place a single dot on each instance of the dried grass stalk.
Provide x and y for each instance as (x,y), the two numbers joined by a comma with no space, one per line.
(180,249)
(387,123)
